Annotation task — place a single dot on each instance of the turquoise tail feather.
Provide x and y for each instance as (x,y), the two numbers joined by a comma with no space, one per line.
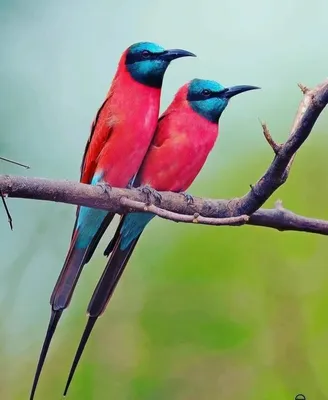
(90,225)
(121,248)
(133,226)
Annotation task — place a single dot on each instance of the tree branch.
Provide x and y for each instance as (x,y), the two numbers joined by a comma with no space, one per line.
(173,216)
(173,206)
(313,102)
(284,220)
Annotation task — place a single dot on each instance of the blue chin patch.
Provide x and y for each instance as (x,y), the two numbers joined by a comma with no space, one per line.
(145,64)
(148,72)
(210,108)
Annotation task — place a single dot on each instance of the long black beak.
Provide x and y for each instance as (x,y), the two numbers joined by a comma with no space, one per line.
(172,54)
(234,90)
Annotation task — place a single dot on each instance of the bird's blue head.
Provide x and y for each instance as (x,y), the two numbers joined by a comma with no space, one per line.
(147,62)
(210,98)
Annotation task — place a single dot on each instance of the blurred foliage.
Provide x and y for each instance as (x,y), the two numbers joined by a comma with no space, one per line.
(201,312)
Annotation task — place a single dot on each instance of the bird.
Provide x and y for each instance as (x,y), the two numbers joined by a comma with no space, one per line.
(120,136)
(186,133)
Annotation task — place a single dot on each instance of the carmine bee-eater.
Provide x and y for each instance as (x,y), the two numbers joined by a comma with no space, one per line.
(120,136)
(184,137)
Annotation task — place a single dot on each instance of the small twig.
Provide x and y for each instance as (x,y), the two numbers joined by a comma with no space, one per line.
(303,88)
(312,104)
(278,205)
(275,146)
(14,162)
(173,216)
(10,220)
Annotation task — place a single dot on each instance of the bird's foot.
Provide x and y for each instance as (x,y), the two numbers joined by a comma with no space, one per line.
(106,187)
(188,197)
(150,192)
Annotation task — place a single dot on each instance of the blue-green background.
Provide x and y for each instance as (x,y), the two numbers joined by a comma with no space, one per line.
(201,312)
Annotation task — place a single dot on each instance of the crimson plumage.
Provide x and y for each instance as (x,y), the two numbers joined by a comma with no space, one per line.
(120,136)
(184,137)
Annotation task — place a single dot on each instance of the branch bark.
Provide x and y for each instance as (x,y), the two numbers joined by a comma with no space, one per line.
(311,106)
(173,206)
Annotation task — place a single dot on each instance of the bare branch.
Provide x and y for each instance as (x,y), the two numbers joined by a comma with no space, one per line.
(175,207)
(173,216)
(313,102)
(285,220)
(303,88)
(275,146)
(126,200)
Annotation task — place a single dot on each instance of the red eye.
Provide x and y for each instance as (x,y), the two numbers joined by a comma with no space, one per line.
(206,92)
(146,54)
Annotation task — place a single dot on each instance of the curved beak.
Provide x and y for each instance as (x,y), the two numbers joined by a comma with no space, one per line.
(172,54)
(234,90)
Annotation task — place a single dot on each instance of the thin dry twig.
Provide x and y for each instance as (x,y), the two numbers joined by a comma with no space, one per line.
(14,162)
(10,220)
(275,146)
(303,88)
(312,104)
(133,205)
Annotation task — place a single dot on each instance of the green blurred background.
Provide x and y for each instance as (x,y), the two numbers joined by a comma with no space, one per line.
(201,312)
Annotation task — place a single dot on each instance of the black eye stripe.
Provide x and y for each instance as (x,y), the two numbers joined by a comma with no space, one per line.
(201,96)
(205,94)
(142,55)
